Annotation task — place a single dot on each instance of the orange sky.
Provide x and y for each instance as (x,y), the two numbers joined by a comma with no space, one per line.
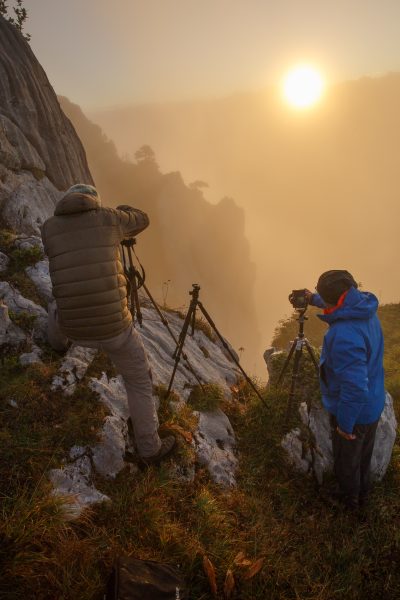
(101,53)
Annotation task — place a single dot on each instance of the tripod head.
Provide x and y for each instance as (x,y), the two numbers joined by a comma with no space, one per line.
(195,291)
(129,242)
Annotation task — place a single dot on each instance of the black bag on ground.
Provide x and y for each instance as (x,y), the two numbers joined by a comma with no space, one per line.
(134,579)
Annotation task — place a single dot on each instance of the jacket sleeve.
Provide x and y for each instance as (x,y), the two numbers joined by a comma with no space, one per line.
(316,300)
(132,221)
(349,361)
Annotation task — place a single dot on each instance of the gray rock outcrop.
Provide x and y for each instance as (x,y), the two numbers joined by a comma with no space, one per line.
(4,262)
(309,449)
(19,304)
(26,203)
(214,440)
(10,334)
(39,274)
(74,482)
(32,120)
(215,446)
(30,358)
(73,368)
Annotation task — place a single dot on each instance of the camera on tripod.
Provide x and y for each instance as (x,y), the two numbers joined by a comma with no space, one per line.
(299,299)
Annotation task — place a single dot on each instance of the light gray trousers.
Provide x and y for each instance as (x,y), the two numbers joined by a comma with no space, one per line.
(127,352)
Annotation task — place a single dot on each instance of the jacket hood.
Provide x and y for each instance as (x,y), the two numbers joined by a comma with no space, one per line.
(76,203)
(356,305)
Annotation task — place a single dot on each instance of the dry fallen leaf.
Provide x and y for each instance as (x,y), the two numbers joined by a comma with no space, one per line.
(241,561)
(229,585)
(210,572)
(254,569)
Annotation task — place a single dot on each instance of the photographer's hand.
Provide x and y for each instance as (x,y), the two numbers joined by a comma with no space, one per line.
(346,436)
(308,295)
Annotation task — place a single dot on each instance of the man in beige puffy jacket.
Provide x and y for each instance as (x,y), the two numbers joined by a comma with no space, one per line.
(82,241)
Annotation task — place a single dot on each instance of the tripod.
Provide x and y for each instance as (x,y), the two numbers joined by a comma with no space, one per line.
(190,320)
(297,347)
(136,280)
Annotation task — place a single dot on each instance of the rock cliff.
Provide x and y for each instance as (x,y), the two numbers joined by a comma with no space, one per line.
(40,153)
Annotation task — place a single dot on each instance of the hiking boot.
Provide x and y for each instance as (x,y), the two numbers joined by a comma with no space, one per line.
(363,499)
(351,502)
(336,498)
(167,445)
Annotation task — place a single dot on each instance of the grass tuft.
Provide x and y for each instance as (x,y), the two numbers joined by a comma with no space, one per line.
(207,397)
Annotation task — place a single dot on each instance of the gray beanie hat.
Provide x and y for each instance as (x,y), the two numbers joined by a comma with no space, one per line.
(83,188)
(332,284)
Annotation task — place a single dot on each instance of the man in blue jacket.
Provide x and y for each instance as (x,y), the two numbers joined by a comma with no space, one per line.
(351,378)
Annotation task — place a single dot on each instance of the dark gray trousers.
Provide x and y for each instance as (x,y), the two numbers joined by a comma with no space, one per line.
(352,459)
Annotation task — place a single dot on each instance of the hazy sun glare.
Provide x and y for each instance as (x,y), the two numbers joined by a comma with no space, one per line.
(303,86)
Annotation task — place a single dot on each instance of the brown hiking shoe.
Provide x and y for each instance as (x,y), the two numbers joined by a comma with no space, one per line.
(167,445)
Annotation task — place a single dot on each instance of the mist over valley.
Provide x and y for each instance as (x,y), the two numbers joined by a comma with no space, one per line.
(318,187)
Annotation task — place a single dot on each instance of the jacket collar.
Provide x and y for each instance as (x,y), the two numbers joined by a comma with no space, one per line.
(356,305)
(76,203)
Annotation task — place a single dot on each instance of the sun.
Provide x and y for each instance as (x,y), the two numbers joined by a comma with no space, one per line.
(303,86)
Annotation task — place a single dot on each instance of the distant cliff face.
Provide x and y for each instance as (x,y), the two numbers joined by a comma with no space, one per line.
(189,239)
(40,153)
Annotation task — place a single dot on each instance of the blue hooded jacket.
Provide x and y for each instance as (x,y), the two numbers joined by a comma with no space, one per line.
(351,365)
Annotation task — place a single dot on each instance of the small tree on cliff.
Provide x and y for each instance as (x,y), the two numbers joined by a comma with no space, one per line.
(20,13)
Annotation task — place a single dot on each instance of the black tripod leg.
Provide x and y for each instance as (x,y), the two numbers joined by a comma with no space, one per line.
(135,298)
(295,375)
(179,348)
(313,357)
(193,321)
(225,345)
(287,361)
(173,336)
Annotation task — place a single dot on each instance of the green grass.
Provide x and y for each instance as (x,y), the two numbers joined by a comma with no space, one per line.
(311,551)
(207,397)
(19,260)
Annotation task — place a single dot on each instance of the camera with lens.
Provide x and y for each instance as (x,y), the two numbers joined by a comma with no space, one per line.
(299,299)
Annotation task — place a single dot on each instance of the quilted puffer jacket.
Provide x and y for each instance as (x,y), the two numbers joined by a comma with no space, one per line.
(82,242)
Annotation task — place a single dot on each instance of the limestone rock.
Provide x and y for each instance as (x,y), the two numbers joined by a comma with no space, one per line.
(16,152)
(217,368)
(310,449)
(27,242)
(73,369)
(26,203)
(4,262)
(32,357)
(271,356)
(214,440)
(293,445)
(74,482)
(112,393)
(39,274)
(18,304)
(28,101)
(10,334)
(385,438)
(215,444)
(108,455)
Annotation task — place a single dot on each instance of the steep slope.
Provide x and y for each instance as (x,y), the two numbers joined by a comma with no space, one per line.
(40,153)
(30,186)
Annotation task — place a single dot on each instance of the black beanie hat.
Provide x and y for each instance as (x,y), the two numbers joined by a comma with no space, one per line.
(332,284)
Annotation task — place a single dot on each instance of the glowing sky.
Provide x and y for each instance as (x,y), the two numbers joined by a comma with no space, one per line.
(101,53)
